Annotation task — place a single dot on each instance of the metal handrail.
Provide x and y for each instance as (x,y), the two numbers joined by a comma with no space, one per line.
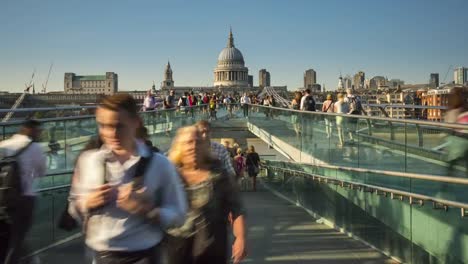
(408,175)
(39,109)
(52,119)
(392,120)
(436,201)
(18,122)
(58,187)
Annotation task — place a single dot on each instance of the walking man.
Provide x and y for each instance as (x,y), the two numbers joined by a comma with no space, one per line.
(218,150)
(308,104)
(124,193)
(31,164)
(245,100)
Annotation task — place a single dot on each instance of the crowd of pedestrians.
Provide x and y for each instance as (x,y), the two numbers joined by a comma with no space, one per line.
(348,104)
(136,205)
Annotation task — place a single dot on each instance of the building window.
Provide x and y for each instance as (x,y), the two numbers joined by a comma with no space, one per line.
(108,84)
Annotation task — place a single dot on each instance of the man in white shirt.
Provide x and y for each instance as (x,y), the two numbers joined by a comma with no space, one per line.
(32,164)
(125,208)
(149,103)
(245,100)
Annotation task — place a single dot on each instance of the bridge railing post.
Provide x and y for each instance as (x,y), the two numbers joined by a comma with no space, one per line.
(420,135)
(369,127)
(392,130)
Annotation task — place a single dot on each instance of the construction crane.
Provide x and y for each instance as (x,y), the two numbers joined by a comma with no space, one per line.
(44,85)
(20,99)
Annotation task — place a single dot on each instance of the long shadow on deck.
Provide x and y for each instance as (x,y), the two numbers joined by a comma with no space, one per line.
(279,233)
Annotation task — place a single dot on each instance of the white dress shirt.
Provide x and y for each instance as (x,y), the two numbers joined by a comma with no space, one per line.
(111,228)
(245,100)
(32,161)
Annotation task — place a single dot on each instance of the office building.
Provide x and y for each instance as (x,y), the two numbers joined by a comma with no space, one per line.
(460,75)
(91,84)
(310,78)
(263,78)
(434,80)
(358,80)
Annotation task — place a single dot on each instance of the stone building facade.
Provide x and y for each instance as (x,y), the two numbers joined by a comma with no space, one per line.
(230,75)
(230,70)
(91,84)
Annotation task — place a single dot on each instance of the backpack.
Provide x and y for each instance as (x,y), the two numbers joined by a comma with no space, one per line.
(10,180)
(355,104)
(183,101)
(194,101)
(310,103)
(168,103)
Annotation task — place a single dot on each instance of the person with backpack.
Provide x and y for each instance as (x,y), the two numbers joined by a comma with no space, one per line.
(123,192)
(183,103)
(355,108)
(23,160)
(169,104)
(308,104)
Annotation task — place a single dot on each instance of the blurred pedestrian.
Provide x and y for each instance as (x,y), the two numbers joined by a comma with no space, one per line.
(212,196)
(123,192)
(30,160)
(252,161)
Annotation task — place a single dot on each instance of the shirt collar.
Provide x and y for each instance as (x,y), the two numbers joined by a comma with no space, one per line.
(141,150)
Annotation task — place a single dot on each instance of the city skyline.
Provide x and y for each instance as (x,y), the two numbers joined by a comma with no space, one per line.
(407,41)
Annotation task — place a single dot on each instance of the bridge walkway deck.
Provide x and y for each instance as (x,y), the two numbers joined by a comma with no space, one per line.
(279,232)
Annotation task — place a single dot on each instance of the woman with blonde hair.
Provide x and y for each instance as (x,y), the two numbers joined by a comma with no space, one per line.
(253,165)
(295,103)
(327,107)
(239,164)
(212,196)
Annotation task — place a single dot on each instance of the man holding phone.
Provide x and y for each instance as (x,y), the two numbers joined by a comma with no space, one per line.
(123,192)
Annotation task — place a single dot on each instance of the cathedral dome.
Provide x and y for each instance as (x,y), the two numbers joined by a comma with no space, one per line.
(231,71)
(230,55)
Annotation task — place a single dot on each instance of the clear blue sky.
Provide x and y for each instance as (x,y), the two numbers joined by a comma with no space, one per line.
(405,39)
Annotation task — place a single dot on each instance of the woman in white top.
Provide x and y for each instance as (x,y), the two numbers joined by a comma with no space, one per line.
(327,107)
(267,102)
(294,116)
(341,107)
